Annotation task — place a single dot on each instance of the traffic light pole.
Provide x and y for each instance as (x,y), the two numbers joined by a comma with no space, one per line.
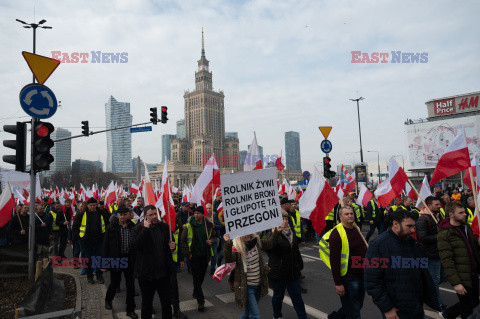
(102,131)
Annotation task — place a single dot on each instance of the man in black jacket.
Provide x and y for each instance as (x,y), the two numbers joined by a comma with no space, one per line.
(154,263)
(375,217)
(401,283)
(116,245)
(90,226)
(60,230)
(18,227)
(43,226)
(427,231)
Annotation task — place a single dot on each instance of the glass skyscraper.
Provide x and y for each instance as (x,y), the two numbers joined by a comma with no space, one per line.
(119,142)
(61,151)
(166,139)
(180,129)
(292,150)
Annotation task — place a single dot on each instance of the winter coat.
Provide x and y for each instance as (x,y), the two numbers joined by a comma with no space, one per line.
(42,233)
(284,260)
(405,288)
(91,235)
(154,257)
(240,284)
(187,251)
(112,241)
(379,213)
(14,229)
(427,231)
(454,253)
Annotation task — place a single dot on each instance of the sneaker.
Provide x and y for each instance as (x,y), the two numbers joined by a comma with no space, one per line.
(90,280)
(100,280)
(132,315)
(108,305)
(201,306)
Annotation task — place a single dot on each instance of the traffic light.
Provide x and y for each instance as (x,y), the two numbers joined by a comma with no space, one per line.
(85,128)
(42,143)
(153,115)
(19,145)
(164,114)
(326,168)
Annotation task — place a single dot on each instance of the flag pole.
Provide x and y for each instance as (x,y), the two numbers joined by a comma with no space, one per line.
(474,190)
(168,209)
(423,202)
(360,232)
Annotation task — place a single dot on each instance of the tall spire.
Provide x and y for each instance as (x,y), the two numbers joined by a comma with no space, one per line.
(203,45)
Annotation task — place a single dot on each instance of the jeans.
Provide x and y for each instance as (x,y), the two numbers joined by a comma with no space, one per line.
(434,267)
(91,249)
(148,288)
(199,268)
(115,278)
(466,303)
(213,262)
(251,308)
(377,225)
(293,288)
(352,301)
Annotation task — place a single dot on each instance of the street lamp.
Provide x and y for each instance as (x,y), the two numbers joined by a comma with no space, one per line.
(378,159)
(31,233)
(359,130)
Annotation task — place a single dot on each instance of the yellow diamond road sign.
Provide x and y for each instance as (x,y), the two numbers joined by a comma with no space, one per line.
(325,130)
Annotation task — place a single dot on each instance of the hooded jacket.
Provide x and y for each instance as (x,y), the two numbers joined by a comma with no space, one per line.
(457,256)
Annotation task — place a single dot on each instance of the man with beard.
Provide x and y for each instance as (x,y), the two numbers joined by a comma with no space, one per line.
(138,210)
(458,251)
(400,283)
(43,226)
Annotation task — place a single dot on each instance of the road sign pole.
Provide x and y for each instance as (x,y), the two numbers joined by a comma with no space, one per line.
(31,227)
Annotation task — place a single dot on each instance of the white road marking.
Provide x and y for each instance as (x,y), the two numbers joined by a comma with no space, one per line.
(184,306)
(315,313)
(227,298)
(431,314)
(308,256)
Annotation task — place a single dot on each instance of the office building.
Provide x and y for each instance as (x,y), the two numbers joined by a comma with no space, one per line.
(292,151)
(61,151)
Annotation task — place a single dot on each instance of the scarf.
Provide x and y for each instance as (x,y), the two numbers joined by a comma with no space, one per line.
(288,234)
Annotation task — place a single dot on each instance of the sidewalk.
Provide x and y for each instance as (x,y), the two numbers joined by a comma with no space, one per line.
(90,298)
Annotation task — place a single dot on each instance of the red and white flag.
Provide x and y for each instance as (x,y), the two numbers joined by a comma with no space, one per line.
(165,201)
(424,190)
(284,187)
(223,270)
(409,191)
(253,159)
(279,162)
(134,189)
(220,208)
(149,194)
(364,196)
(455,159)
(7,204)
(317,201)
(393,185)
(110,196)
(476,178)
(206,184)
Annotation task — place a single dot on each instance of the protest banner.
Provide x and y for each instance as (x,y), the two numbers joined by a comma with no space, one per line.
(250,202)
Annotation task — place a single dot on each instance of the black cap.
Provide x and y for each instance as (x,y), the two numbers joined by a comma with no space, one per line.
(285,200)
(184,204)
(91,200)
(199,209)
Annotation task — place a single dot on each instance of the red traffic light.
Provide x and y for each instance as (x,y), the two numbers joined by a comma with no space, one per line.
(44,129)
(164,109)
(326,160)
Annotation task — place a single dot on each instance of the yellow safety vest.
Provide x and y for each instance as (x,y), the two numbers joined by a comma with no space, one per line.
(374,214)
(190,236)
(113,208)
(394,208)
(297,224)
(358,211)
(470,216)
(325,249)
(55,227)
(331,215)
(442,212)
(83,226)
(175,252)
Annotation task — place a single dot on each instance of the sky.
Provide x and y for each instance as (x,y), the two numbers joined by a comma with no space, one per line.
(283,66)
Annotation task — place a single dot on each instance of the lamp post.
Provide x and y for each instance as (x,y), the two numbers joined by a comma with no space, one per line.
(378,160)
(31,233)
(359,129)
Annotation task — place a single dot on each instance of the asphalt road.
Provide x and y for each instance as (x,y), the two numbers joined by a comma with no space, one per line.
(320,299)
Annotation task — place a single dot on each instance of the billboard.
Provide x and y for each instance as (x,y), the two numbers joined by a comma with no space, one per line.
(464,103)
(427,141)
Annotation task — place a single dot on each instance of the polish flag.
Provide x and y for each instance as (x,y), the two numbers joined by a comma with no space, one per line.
(364,196)
(317,201)
(19,197)
(174,189)
(134,189)
(149,194)
(95,192)
(424,190)
(223,270)
(476,178)
(279,163)
(393,185)
(284,187)
(253,160)
(206,184)
(455,159)
(140,188)
(185,193)
(110,195)
(7,204)
(409,191)
(220,208)
(165,202)
(291,193)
